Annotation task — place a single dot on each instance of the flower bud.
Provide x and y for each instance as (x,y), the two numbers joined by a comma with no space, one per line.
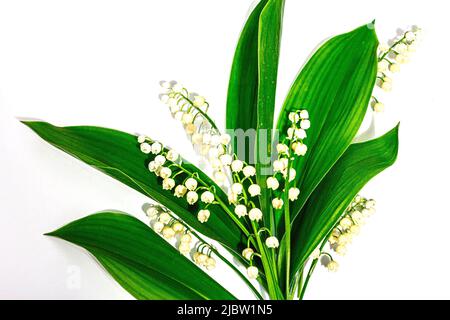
(282,148)
(180,191)
(293,194)
(168,232)
(168,184)
(255,214)
(226,159)
(247,253)
(165,218)
(249,171)
(165,172)
(203,215)
(272,183)
(225,139)
(277,203)
(191,184)
(252,272)
(186,238)
(141,139)
(254,190)
(237,165)
(178,227)
(152,212)
(237,188)
(156,148)
(190,128)
(305,124)
(146,148)
(240,210)
(299,148)
(184,248)
(294,117)
(332,266)
(210,263)
(207,197)
(158,226)
(304,114)
(272,242)
(192,197)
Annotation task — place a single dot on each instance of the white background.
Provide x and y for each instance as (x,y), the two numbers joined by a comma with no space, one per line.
(99,63)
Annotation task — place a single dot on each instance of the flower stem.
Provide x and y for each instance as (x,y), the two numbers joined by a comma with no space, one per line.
(287,224)
(269,272)
(222,205)
(243,277)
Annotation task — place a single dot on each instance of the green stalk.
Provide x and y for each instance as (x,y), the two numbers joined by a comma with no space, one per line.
(302,288)
(270,275)
(204,114)
(287,224)
(236,270)
(391,48)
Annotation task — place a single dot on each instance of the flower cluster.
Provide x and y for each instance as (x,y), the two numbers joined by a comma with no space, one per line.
(191,110)
(169,227)
(204,259)
(167,165)
(292,147)
(347,227)
(391,57)
(165,224)
(243,190)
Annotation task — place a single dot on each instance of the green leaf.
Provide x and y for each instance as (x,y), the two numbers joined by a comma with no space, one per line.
(141,261)
(360,163)
(243,85)
(335,86)
(118,155)
(269,39)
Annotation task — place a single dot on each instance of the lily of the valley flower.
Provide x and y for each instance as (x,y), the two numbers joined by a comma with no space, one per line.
(203,215)
(247,253)
(240,210)
(252,272)
(272,242)
(255,214)
(254,190)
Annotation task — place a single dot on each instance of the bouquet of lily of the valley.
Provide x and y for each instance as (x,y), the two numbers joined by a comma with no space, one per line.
(277,199)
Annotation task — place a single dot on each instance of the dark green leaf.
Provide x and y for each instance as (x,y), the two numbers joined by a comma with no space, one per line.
(335,87)
(243,86)
(360,163)
(118,155)
(270,25)
(140,260)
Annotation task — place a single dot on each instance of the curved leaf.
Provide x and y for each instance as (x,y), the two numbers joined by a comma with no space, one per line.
(141,261)
(118,155)
(360,163)
(243,85)
(335,86)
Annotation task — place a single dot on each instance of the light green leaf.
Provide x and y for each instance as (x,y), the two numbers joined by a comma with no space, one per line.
(360,163)
(335,86)
(269,39)
(242,97)
(141,261)
(118,155)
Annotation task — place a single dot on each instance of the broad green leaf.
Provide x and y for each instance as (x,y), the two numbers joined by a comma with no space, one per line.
(118,155)
(335,86)
(269,39)
(360,163)
(140,260)
(243,85)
